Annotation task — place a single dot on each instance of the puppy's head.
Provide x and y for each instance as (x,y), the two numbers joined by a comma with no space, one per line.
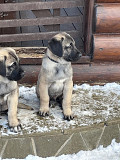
(9,65)
(63,45)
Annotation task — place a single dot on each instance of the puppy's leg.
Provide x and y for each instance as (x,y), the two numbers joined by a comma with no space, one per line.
(67,96)
(12,103)
(44,99)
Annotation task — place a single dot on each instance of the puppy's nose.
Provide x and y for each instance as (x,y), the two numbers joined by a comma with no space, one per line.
(79,54)
(21,72)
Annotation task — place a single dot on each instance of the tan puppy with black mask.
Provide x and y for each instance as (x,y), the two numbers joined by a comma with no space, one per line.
(55,77)
(10,73)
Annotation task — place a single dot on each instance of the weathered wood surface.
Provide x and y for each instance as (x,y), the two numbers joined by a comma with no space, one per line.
(94,73)
(39,5)
(32,36)
(39,21)
(108,18)
(106,47)
(107,1)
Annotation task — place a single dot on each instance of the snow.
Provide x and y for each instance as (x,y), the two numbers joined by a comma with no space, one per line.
(112,152)
(90,105)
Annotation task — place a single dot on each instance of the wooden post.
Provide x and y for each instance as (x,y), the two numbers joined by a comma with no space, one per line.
(88,25)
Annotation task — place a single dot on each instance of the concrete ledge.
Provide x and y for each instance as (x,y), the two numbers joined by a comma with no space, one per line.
(57,143)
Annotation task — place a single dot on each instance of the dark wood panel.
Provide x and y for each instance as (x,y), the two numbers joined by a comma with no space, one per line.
(107,47)
(29,29)
(108,18)
(88,22)
(94,73)
(39,21)
(107,1)
(39,5)
(32,36)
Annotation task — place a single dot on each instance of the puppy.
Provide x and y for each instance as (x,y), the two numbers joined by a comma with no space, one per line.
(55,77)
(10,73)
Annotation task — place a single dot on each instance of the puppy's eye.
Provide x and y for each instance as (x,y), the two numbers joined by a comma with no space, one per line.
(69,46)
(13,65)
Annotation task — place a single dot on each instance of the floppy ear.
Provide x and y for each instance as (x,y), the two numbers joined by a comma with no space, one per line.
(2,66)
(56,47)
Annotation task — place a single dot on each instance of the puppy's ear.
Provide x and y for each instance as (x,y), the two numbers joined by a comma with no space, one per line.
(3,66)
(56,47)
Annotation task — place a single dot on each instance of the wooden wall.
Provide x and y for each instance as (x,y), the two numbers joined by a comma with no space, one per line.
(106,37)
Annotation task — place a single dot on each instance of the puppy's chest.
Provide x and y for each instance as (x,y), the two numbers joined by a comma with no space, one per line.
(61,72)
(6,88)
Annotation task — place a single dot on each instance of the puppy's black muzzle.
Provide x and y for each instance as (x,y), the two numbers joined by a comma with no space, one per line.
(16,74)
(74,56)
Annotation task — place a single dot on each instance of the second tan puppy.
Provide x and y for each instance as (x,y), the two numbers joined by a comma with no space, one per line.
(55,78)
(10,73)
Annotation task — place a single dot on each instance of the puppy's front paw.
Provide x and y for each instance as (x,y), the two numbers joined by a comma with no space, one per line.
(16,129)
(44,111)
(15,126)
(68,115)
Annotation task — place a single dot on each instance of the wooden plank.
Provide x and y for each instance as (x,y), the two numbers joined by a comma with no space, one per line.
(107,47)
(32,36)
(39,5)
(94,73)
(107,1)
(1,17)
(88,28)
(39,21)
(108,18)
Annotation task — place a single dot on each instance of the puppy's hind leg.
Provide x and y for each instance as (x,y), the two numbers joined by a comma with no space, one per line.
(12,103)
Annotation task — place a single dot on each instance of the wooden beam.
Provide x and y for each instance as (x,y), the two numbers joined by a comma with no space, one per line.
(39,5)
(107,1)
(106,47)
(32,36)
(39,21)
(94,73)
(88,25)
(108,18)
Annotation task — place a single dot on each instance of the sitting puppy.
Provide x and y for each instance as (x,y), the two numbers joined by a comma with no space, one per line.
(55,78)
(10,73)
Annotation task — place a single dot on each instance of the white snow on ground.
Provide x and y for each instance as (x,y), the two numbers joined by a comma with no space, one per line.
(90,105)
(112,152)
